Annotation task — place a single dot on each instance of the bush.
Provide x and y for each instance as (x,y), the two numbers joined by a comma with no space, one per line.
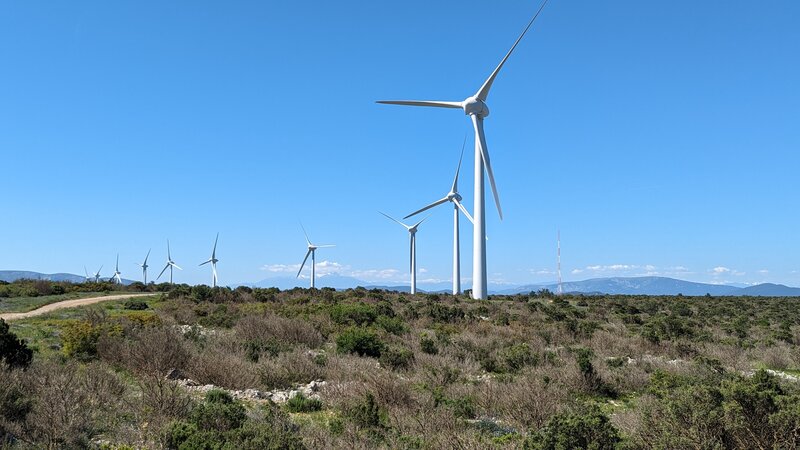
(219,412)
(518,356)
(80,339)
(354,314)
(394,325)
(361,341)
(397,358)
(428,345)
(590,429)
(13,351)
(366,414)
(135,304)
(302,404)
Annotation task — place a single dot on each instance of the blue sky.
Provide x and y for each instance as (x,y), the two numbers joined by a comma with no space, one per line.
(659,137)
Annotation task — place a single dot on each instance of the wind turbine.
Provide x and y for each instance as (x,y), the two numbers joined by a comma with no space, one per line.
(97,275)
(455,198)
(213,260)
(117,273)
(475,107)
(144,267)
(86,271)
(170,265)
(412,232)
(311,251)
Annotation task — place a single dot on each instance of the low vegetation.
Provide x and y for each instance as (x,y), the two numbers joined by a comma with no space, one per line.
(534,371)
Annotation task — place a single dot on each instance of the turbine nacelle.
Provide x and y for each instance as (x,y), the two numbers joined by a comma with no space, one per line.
(474,106)
(454,196)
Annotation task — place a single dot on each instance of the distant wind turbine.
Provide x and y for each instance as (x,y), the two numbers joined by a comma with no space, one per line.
(311,251)
(412,232)
(170,265)
(475,107)
(88,277)
(97,275)
(213,260)
(117,278)
(144,267)
(455,198)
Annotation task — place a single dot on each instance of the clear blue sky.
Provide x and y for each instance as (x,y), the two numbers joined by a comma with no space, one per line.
(659,137)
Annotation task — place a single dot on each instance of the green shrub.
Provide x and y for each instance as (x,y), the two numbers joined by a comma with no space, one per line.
(445,314)
(361,341)
(589,429)
(13,351)
(397,358)
(354,314)
(518,356)
(135,304)
(428,345)
(219,412)
(302,404)
(79,340)
(394,325)
(366,414)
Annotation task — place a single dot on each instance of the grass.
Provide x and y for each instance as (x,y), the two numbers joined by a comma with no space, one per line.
(25,304)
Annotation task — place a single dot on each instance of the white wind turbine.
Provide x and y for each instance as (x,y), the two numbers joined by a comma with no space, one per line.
(412,237)
(311,251)
(170,265)
(475,107)
(117,278)
(213,260)
(97,275)
(88,277)
(455,198)
(144,267)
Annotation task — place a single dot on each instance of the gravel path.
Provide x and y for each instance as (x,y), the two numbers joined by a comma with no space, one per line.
(68,304)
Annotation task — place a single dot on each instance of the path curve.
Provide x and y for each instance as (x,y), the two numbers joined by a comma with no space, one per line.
(69,304)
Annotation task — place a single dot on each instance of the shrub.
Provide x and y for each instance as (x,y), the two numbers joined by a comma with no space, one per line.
(219,412)
(367,413)
(397,358)
(302,404)
(590,429)
(13,351)
(428,345)
(80,339)
(445,314)
(361,341)
(394,325)
(135,304)
(518,356)
(354,314)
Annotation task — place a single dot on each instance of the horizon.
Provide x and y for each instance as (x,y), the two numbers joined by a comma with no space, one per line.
(654,152)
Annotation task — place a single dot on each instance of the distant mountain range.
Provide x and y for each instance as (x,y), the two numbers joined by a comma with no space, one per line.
(616,285)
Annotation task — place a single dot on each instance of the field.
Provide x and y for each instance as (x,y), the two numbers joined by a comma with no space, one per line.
(398,371)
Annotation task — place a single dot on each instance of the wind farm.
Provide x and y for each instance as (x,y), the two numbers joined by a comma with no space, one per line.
(659,140)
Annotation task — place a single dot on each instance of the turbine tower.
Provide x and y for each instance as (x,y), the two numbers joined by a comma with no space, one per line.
(475,107)
(560,288)
(412,232)
(312,249)
(455,198)
(170,265)
(97,275)
(144,267)
(117,273)
(213,260)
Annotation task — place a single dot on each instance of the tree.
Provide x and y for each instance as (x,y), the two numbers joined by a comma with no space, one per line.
(13,351)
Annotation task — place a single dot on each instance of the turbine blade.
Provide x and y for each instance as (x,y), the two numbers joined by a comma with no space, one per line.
(458,169)
(86,271)
(214,252)
(162,272)
(303,264)
(481,138)
(325,246)
(483,92)
(203,264)
(464,210)
(169,255)
(176,266)
(395,220)
(435,104)
(308,241)
(420,222)
(436,203)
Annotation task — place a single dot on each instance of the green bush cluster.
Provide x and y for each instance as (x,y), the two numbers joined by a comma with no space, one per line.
(361,341)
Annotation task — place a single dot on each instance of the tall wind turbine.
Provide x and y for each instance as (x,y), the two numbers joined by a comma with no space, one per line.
(475,107)
(97,275)
(412,237)
(170,265)
(117,273)
(88,277)
(144,267)
(213,260)
(455,198)
(311,251)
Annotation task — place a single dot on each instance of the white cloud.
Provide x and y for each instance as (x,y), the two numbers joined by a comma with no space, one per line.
(720,270)
(763,271)
(576,271)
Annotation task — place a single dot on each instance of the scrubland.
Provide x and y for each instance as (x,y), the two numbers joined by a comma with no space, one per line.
(534,371)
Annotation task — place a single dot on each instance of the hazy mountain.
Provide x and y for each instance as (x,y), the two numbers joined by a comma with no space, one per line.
(13,275)
(770,290)
(635,286)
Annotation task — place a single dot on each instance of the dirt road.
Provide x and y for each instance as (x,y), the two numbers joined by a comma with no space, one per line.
(68,304)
